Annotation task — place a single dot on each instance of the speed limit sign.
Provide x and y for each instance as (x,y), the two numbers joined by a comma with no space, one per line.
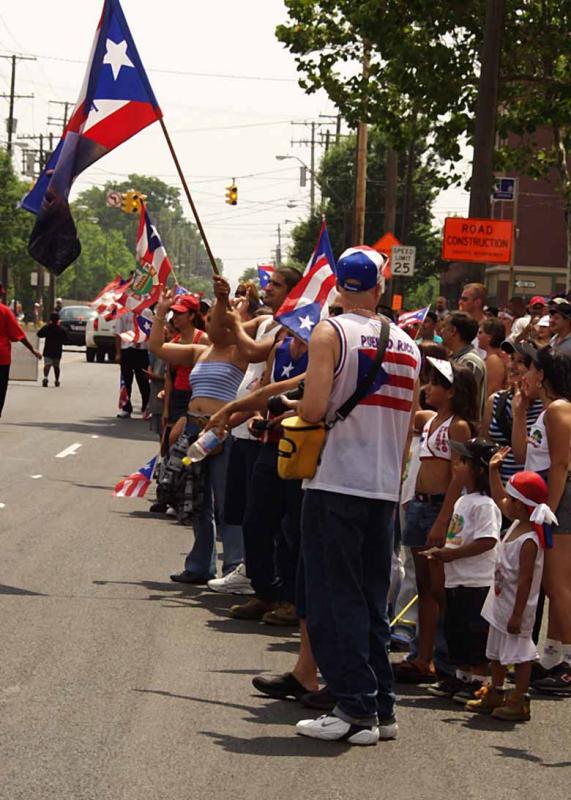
(402,260)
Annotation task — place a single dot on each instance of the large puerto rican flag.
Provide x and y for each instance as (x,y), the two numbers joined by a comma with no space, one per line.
(136,484)
(309,301)
(116,101)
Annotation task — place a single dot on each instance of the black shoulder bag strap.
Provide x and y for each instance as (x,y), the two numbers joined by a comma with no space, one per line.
(362,389)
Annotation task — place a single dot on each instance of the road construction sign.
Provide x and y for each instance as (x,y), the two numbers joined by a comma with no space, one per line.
(486,241)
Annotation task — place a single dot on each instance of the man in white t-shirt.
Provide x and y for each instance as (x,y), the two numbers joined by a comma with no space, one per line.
(347,518)
(134,361)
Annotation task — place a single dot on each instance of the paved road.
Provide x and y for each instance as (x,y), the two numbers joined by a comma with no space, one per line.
(115,684)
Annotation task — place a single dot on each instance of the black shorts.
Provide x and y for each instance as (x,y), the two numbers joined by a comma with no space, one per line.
(465,629)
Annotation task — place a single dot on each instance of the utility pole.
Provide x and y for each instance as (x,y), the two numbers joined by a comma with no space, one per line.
(313,142)
(361,171)
(11,122)
(60,120)
(279,248)
(11,129)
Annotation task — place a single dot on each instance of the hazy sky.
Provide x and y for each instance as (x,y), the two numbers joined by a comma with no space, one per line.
(228,91)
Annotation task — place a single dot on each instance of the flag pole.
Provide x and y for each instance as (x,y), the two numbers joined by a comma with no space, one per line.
(189,198)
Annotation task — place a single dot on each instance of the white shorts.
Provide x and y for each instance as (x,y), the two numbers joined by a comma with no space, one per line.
(510,649)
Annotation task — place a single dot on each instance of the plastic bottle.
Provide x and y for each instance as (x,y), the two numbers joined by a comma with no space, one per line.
(203,446)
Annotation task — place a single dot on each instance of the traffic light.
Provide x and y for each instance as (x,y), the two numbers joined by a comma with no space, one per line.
(131,201)
(232,195)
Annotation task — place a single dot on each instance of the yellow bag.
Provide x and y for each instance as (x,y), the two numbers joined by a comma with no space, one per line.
(299,448)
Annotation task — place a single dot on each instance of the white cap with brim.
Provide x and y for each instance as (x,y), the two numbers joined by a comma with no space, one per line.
(444,367)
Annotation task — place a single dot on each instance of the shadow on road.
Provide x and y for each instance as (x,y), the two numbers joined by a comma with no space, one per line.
(15,590)
(280,746)
(102,426)
(525,755)
(271,713)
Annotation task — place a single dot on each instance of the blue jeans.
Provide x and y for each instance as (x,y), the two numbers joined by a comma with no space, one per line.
(347,544)
(201,561)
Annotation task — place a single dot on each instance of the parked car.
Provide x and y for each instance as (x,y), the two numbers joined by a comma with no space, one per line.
(74,319)
(100,339)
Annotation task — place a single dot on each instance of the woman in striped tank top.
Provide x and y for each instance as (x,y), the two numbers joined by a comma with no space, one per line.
(498,417)
(216,371)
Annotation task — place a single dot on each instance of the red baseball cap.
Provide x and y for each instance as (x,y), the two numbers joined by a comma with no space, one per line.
(186,302)
(537,300)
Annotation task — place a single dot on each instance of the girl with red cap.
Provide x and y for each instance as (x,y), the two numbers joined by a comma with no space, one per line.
(512,601)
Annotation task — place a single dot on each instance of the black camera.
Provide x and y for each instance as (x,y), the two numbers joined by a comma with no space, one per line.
(277,407)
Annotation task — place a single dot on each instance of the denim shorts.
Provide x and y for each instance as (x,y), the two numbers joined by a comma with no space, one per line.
(419,519)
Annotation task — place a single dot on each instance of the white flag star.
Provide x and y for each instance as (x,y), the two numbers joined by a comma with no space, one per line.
(306,323)
(154,231)
(116,56)
(287,370)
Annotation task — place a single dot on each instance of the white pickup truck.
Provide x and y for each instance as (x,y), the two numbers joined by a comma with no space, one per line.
(100,339)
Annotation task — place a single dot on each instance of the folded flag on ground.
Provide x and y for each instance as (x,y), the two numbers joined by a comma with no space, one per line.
(309,301)
(136,484)
(123,393)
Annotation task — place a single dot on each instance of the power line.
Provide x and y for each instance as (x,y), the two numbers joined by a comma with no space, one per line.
(223,75)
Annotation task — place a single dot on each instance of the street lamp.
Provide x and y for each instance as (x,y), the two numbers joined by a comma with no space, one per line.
(311,183)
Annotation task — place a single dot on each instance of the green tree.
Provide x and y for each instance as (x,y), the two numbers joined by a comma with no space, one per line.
(249,274)
(15,228)
(180,237)
(104,254)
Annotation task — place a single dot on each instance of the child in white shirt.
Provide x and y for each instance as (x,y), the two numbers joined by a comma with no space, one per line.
(511,603)
(469,557)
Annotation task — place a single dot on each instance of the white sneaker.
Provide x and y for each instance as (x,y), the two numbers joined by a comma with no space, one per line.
(333,729)
(236,582)
(170,512)
(388,729)
(123,414)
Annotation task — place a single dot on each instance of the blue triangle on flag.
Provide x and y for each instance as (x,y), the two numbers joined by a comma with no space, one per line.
(301,320)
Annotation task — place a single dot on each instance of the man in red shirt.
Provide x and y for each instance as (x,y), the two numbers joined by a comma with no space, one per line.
(10,331)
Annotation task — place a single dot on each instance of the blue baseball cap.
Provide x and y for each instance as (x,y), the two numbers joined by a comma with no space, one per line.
(360,268)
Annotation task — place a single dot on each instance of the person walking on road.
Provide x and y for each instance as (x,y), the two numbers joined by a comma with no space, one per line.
(347,517)
(10,331)
(55,337)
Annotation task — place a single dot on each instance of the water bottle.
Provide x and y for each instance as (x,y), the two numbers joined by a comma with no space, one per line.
(203,446)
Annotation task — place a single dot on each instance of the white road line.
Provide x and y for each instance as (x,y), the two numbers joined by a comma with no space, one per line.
(35,477)
(2,505)
(69,451)
(95,436)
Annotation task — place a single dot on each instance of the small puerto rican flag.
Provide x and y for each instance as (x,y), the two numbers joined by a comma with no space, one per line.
(413,317)
(142,324)
(265,273)
(309,301)
(136,484)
